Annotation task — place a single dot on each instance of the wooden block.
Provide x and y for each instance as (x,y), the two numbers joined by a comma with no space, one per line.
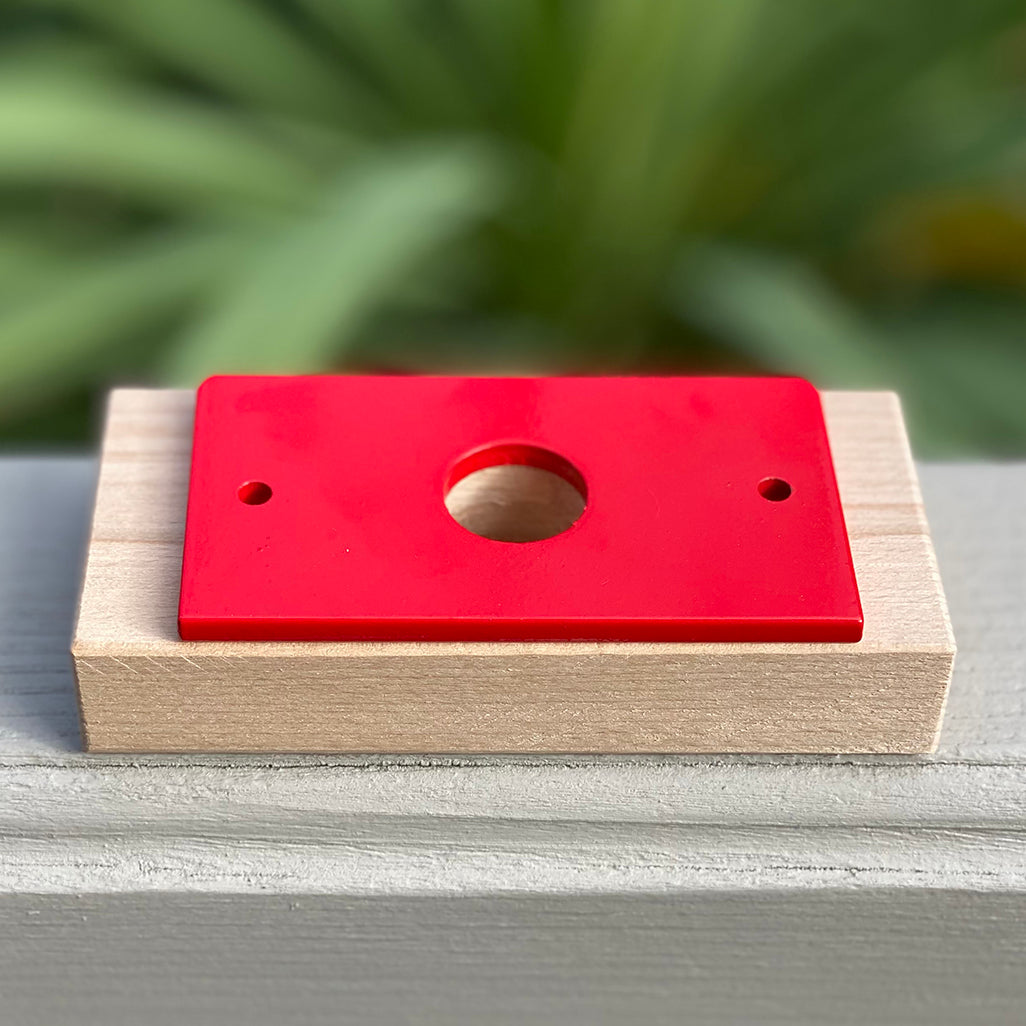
(143,689)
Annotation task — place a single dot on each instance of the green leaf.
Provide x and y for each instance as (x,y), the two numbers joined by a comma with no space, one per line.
(403,56)
(26,260)
(649,83)
(863,114)
(778,313)
(51,338)
(156,150)
(965,357)
(79,55)
(306,296)
(239,47)
(502,39)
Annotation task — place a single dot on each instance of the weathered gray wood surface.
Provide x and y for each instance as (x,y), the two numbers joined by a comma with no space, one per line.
(594,890)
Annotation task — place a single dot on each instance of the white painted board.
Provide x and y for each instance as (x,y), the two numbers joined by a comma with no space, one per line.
(652,889)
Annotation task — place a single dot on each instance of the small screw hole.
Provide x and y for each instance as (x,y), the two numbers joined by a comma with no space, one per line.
(775,489)
(254,493)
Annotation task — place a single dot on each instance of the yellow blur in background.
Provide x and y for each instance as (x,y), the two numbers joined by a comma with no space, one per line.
(836,190)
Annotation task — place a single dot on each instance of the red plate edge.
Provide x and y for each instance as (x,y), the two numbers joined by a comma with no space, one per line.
(278,570)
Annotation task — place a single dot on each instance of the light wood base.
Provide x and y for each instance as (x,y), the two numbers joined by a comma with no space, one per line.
(143,689)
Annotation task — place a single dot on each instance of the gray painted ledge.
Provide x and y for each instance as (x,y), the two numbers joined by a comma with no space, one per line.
(766,889)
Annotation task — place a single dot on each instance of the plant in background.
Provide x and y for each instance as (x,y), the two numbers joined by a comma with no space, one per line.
(834,190)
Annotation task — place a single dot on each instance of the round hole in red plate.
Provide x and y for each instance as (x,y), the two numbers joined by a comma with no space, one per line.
(254,493)
(776,489)
(514,492)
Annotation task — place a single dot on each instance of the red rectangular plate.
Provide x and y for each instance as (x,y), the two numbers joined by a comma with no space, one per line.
(317,511)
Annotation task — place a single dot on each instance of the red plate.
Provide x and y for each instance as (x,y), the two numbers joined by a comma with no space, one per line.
(317,511)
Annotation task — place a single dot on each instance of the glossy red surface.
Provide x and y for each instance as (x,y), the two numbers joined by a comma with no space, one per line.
(316,511)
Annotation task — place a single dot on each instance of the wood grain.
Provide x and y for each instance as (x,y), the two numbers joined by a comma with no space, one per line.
(142,689)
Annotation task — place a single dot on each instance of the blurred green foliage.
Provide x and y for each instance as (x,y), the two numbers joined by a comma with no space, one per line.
(836,190)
